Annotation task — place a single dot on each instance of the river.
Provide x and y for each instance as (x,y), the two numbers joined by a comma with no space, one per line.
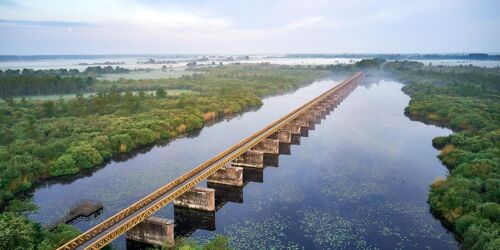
(359,180)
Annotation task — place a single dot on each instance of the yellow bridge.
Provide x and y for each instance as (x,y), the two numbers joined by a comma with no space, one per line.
(248,153)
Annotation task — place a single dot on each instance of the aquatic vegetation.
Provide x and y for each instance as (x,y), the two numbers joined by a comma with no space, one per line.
(465,99)
(328,229)
(266,233)
(284,193)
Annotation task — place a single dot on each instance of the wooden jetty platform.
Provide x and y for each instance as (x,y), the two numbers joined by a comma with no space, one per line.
(84,208)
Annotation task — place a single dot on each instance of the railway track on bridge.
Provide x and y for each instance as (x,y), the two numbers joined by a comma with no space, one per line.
(108,230)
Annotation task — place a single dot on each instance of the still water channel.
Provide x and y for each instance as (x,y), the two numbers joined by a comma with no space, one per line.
(358,181)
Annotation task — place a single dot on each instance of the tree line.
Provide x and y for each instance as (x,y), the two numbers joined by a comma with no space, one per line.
(29,82)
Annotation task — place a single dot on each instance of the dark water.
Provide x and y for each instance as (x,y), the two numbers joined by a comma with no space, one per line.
(359,180)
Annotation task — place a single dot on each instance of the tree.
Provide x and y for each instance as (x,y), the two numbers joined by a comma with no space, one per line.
(64,165)
(48,108)
(62,234)
(16,232)
(122,142)
(85,155)
(161,93)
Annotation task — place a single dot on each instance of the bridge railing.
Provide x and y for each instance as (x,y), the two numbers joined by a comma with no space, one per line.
(236,150)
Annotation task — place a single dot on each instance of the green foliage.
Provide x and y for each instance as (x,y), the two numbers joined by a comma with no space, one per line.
(369,63)
(467,99)
(62,234)
(85,156)
(16,232)
(161,93)
(64,165)
(42,139)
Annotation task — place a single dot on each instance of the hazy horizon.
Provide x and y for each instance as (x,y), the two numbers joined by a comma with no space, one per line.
(249,54)
(130,27)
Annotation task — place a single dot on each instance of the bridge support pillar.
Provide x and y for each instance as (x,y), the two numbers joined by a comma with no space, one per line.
(268,146)
(228,175)
(301,121)
(310,118)
(294,129)
(285,148)
(283,136)
(198,198)
(251,158)
(153,230)
(317,115)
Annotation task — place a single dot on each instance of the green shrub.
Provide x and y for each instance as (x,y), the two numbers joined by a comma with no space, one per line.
(64,165)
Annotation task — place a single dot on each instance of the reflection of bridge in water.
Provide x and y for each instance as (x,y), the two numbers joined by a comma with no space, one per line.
(226,174)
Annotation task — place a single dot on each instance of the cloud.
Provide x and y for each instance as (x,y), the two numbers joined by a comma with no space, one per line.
(175,26)
(171,18)
(308,21)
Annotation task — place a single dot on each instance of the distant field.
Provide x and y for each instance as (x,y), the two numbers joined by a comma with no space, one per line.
(154,74)
(70,96)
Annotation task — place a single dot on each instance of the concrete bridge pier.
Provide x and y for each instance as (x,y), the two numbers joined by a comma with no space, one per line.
(271,160)
(285,148)
(154,231)
(312,124)
(228,175)
(268,146)
(317,115)
(326,103)
(253,175)
(294,129)
(321,108)
(225,194)
(283,136)
(295,139)
(198,198)
(285,139)
(304,131)
(251,158)
(304,125)
(301,121)
(309,119)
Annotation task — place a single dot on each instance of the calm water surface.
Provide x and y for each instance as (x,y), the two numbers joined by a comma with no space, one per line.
(359,180)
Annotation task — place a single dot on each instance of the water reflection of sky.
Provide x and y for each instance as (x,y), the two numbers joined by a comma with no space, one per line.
(359,180)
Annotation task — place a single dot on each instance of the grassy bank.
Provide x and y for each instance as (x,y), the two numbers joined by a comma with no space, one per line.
(467,100)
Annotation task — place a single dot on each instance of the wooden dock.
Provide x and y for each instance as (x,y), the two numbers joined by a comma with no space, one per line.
(84,208)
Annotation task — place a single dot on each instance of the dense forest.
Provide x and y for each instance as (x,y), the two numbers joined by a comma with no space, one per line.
(466,99)
(44,139)
(29,82)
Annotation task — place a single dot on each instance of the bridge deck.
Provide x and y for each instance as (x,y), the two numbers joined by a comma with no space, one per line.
(104,233)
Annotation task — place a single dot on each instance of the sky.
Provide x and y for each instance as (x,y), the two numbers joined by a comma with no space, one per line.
(38,27)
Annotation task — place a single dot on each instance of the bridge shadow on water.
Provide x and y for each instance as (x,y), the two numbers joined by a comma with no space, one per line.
(187,221)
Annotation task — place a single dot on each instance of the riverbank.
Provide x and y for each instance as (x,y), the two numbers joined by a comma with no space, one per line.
(465,99)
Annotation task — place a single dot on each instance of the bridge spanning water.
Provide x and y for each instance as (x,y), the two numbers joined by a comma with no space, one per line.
(248,153)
